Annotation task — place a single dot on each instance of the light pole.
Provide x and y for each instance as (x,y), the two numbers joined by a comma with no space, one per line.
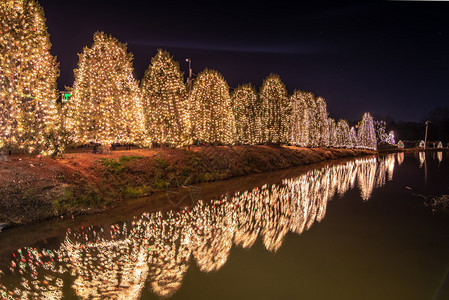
(189,80)
(425,137)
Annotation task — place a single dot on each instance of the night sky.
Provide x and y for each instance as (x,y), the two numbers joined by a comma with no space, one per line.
(388,58)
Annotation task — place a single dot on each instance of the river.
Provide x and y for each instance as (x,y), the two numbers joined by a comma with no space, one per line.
(348,229)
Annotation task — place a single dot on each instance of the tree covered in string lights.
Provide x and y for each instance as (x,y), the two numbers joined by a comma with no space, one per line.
(275,109)
(300,116)
(366,134)
(105,106)
(322,122)
(344,139)
(212,117)
(314,132)
(333,133)
(390,140)
(353,136)
(165,101)
(28,76)
(245,103)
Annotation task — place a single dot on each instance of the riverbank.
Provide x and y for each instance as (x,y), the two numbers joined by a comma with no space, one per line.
(34,189)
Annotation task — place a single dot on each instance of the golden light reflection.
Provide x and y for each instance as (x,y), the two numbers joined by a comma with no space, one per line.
(422,158)
(440,156)
(400,158)
(155,249)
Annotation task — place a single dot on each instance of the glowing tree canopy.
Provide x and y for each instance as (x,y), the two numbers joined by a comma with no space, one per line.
(28,74)
(344,139)
(366,135)
(390,140)
(245,105)
(353,135)
(212,116)
(105,106)
(333,133)
(314,132)
(322,122)
(165,102)
(275,109)
(299,126)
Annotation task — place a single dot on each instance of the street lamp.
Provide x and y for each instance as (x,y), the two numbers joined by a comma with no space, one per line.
(425,137)
(189,80)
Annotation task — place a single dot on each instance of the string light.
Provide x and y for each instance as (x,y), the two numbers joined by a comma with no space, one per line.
(333,133)
(366,135)
(165,102)
(28,73)
(105,106)
(248,124)
(383,138)
(300,126)
(212,117)
(344,134)
(275,110)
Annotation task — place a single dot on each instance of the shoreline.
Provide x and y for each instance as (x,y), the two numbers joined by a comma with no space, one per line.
(36,189)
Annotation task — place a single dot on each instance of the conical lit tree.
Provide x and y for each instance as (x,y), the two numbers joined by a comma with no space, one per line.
(105,106)
(299,128)
(212,117)
(275,109)
(246,106)
(366,135)
(28,74)
(322,122)
(165,101)
(333,133)
(314,132)
(353,135)
(344,135)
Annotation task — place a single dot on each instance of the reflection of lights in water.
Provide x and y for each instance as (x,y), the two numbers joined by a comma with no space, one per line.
(422,158)
(440,156)
(400,158)
(116,262)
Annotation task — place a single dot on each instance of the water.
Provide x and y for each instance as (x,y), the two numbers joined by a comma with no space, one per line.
(354,229)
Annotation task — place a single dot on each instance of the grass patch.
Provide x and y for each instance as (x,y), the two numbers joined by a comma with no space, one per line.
(135,192)
(72,198)
(118,166)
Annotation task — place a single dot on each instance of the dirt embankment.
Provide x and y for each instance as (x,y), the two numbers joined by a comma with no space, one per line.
(33,189)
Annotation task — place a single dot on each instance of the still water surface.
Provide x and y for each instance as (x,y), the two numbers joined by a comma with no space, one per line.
(354,229)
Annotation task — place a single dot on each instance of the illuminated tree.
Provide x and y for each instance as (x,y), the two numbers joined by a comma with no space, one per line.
(299,128)
(275,109)
(164,99)
(212,117)
(28,76)
(313,124)
(322,122)
(333,133)
(353,135)
(246,105)
(105,106)
(390,140)
(344,139)
(366,135)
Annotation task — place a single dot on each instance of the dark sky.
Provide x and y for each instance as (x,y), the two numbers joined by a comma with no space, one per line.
(389,58)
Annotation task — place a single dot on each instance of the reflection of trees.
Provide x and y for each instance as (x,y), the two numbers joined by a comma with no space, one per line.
(440,156)
(422,158)
(117,262)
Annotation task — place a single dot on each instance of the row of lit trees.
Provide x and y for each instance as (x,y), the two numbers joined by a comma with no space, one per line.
(108,105)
